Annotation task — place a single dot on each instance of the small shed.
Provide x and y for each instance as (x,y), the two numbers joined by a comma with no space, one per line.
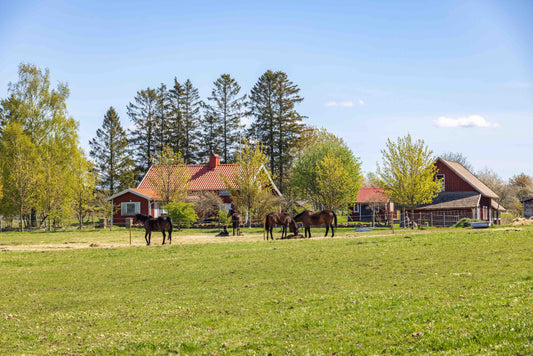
(372,205)
(527,207)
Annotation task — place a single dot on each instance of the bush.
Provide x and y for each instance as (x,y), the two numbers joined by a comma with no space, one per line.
(465,222)
(181,213)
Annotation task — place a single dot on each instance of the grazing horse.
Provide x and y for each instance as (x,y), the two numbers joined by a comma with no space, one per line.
(282,219)
(308,218)
(150,224)
(236,221)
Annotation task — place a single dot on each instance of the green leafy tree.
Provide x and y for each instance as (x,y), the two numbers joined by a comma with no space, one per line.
(337,188)
(41,112)
(222,120)
(181,213)
(173,177)
(83,186)
(142,113)
(250,179)
(20,172)
(321,169)
(407,172)
(276,122)
(110,151)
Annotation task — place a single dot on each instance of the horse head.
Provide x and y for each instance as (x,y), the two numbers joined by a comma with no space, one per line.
(293,227)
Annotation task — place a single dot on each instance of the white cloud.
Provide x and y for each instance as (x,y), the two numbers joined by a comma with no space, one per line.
(345,104)
(470,121)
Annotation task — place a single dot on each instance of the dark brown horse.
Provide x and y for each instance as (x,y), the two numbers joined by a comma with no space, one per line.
(236,221)
(150,224)
(309,218)
(280,219)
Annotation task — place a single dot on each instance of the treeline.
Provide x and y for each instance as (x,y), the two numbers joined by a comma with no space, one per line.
(45,175)
(176,117)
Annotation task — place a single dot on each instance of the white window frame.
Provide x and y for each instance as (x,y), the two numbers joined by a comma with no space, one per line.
(443,176)
(356,208)
(124,208)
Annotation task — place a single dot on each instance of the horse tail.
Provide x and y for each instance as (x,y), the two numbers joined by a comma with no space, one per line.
(335,218)
(170,223)
(264,226)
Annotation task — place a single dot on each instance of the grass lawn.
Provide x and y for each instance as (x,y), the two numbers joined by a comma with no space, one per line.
(439,291)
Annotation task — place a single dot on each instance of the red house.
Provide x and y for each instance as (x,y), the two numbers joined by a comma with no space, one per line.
(146,200)
(372,205)
(463,196)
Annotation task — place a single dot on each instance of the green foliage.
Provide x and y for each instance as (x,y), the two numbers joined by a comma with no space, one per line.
(109,150)
(181,213)
(46,147)
(276,123)
(20,172)
(465,222)
(250,179)
(142,112)
(222,128)
(172,180)
(408,171)
(326,173)
(223,217)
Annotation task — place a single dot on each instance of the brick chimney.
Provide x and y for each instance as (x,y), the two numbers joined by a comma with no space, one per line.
(214,161)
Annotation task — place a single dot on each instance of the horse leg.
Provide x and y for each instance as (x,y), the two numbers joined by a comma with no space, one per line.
(146,238)
(308,230)
(170,237)
(327,230)
(332,231)
(164,236)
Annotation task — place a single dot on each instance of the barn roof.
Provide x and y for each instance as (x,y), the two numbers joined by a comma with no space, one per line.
(469,178)
(453,200)
(372,195)
(203,177)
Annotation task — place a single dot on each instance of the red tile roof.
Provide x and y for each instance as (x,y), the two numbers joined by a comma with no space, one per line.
(203,177)
(372,195)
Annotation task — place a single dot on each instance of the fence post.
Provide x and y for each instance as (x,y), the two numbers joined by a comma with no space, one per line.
(431,218)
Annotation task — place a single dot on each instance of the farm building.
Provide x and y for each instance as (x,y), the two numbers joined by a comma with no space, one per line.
(527,207)
(145,199)
(372,205)
(463,196)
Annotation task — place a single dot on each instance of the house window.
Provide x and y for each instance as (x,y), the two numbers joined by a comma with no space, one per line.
(224,193)
(356,208)
(439,177)
(228,206)
(130,208)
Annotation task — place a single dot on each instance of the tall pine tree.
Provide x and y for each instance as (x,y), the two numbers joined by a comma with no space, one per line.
(144,135)
(110,152)
(191,123)
(175,117)
(222,122)
(276,123)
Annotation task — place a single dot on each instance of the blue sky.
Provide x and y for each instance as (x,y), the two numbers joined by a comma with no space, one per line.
(457,74)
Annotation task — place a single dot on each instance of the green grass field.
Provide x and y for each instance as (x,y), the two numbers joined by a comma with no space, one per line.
(436,292)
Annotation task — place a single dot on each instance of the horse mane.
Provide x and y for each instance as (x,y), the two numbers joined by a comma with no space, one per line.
(298,215)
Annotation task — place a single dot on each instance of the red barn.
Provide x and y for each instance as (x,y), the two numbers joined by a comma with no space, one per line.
(463,196)
(146,200)
(372,205)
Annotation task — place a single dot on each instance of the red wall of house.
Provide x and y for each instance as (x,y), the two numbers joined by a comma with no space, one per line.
(453,182)
(120,219)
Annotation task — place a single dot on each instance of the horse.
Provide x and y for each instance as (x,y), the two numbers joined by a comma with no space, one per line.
(309,218)
(236,221)
(283,219)
(150,224)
